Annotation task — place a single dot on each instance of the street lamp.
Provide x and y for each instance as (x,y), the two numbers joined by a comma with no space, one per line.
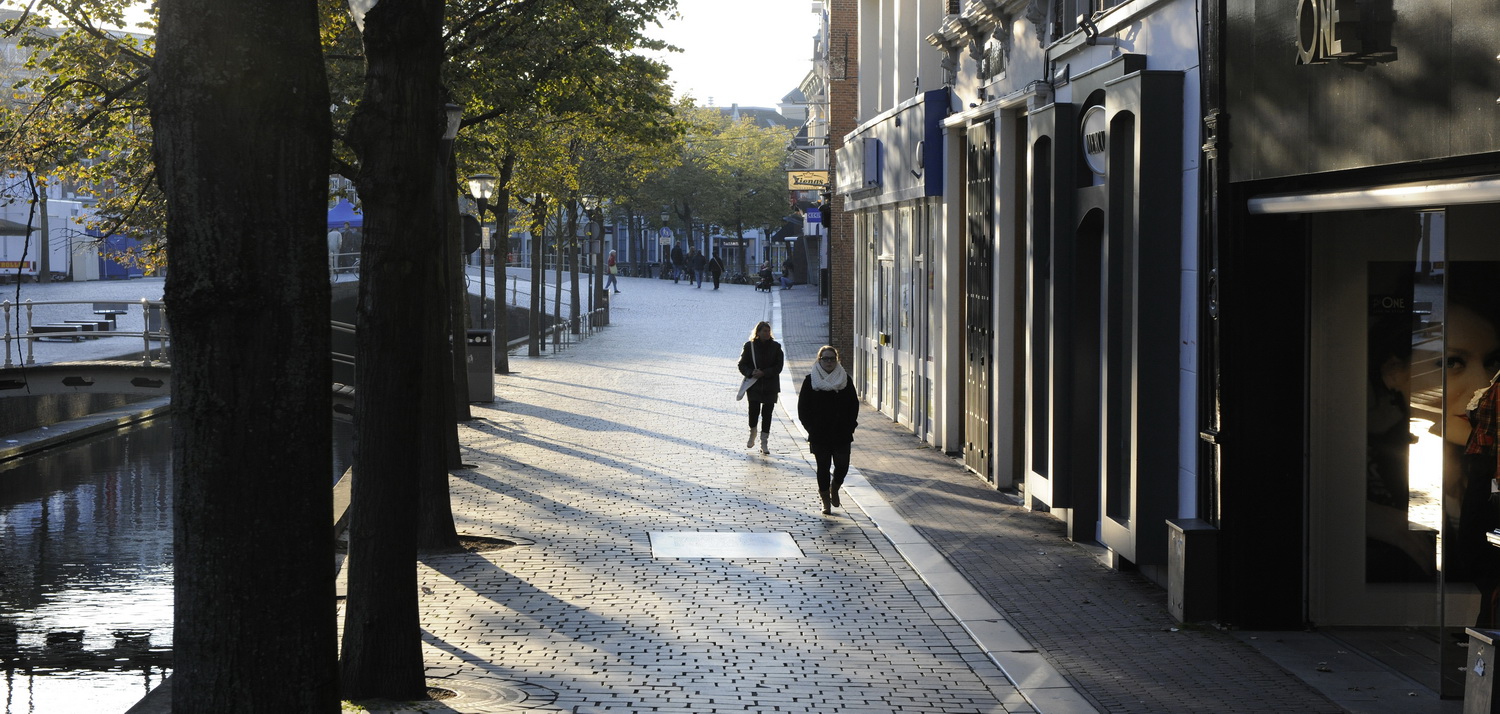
(666,260)
(482,187)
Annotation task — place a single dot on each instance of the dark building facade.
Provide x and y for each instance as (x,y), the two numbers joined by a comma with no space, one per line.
(1351,294)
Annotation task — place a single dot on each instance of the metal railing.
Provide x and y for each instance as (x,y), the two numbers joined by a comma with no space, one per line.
(32,321)
(22,326)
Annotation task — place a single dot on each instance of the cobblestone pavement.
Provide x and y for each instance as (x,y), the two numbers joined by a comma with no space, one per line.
(588,453)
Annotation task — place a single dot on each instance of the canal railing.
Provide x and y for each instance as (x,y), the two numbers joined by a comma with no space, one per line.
(82,321)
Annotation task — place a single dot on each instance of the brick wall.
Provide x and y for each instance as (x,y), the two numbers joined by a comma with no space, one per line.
(843,97)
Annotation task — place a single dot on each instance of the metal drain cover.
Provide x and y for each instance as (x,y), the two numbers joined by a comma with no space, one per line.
(689,544)
(471,696)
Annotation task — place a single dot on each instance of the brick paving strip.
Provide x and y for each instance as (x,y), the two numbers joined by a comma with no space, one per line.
(635,431)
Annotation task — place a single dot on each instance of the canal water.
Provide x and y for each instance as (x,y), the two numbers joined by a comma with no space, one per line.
(86,571)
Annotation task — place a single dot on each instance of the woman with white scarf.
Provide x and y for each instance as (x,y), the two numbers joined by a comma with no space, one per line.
(828,408)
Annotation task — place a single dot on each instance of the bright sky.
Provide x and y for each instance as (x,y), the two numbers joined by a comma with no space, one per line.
(746,53)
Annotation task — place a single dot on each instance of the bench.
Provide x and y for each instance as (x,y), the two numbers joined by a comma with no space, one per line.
(90,326)
(60,332)
(111,310)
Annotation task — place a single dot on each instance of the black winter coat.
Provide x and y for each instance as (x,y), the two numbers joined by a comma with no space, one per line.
(770,359)
(828,417)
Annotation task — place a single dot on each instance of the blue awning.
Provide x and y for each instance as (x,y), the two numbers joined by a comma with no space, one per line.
(344,213)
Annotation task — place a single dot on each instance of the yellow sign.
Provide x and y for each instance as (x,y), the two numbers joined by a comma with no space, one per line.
(806,180)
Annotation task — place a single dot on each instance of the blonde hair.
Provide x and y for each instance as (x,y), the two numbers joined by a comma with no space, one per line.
(828,348)
(755,333)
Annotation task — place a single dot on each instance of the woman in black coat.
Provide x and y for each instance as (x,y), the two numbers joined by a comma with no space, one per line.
(762,358)
(828,408)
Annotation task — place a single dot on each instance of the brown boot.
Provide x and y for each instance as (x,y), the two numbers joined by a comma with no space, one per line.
(824,495)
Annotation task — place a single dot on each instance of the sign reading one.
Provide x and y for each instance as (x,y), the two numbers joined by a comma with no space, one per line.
(1095,135)
(1327,30)
(806,180)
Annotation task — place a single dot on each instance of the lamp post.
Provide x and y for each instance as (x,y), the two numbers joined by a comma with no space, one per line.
(666,259)
(482,187)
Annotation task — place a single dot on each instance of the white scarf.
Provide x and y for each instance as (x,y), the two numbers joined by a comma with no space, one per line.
(829,381)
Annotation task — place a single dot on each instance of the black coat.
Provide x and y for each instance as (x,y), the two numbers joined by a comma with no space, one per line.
(828,417)
(769,358)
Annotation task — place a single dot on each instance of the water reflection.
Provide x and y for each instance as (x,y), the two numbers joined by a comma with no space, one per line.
(86,571)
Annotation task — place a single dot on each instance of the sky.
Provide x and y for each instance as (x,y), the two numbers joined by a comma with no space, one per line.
(746,53)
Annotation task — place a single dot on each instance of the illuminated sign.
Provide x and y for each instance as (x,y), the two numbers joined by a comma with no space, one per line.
(806,180)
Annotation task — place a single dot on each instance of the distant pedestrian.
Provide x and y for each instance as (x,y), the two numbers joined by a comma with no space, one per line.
(677,263)
(762,358)
(828,408)
(696,263)
(715,268)
(786,274)
(613,270)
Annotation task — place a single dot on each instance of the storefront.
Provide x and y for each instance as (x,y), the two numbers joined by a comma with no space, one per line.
(1358,312)
(894,189)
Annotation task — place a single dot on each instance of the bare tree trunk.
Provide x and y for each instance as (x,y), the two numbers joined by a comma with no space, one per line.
(239,103)
(397,132)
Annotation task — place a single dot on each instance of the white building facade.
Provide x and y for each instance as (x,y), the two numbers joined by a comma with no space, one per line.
(1024,182)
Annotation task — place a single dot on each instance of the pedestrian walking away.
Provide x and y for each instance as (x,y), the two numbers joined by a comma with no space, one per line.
(676,263)
(828,407)
(716,268)
(613,270)
(762,359)
(786,274)
(696,263)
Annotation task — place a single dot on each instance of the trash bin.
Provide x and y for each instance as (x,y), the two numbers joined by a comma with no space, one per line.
(480,349)
(1479,677)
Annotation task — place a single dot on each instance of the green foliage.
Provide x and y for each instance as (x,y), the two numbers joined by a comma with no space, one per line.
(77,113)
(726,171)
(557,84)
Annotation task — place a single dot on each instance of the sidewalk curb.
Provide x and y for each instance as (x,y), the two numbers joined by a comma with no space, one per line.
(47,437)
(1044,688)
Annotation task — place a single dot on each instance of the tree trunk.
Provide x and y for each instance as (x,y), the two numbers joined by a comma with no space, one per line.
(502,227)
(239,103)
(538,250)
(446,369)
(572,233)
(397,133)
(457,287)
(557,294)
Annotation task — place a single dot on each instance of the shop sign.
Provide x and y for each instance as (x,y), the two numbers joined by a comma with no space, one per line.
(807,180)
(1095,138)
(1334,30)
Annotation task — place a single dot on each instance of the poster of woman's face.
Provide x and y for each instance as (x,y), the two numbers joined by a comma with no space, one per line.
(1434,341)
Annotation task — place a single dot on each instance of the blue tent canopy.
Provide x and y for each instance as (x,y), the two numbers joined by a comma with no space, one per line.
(344,213)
